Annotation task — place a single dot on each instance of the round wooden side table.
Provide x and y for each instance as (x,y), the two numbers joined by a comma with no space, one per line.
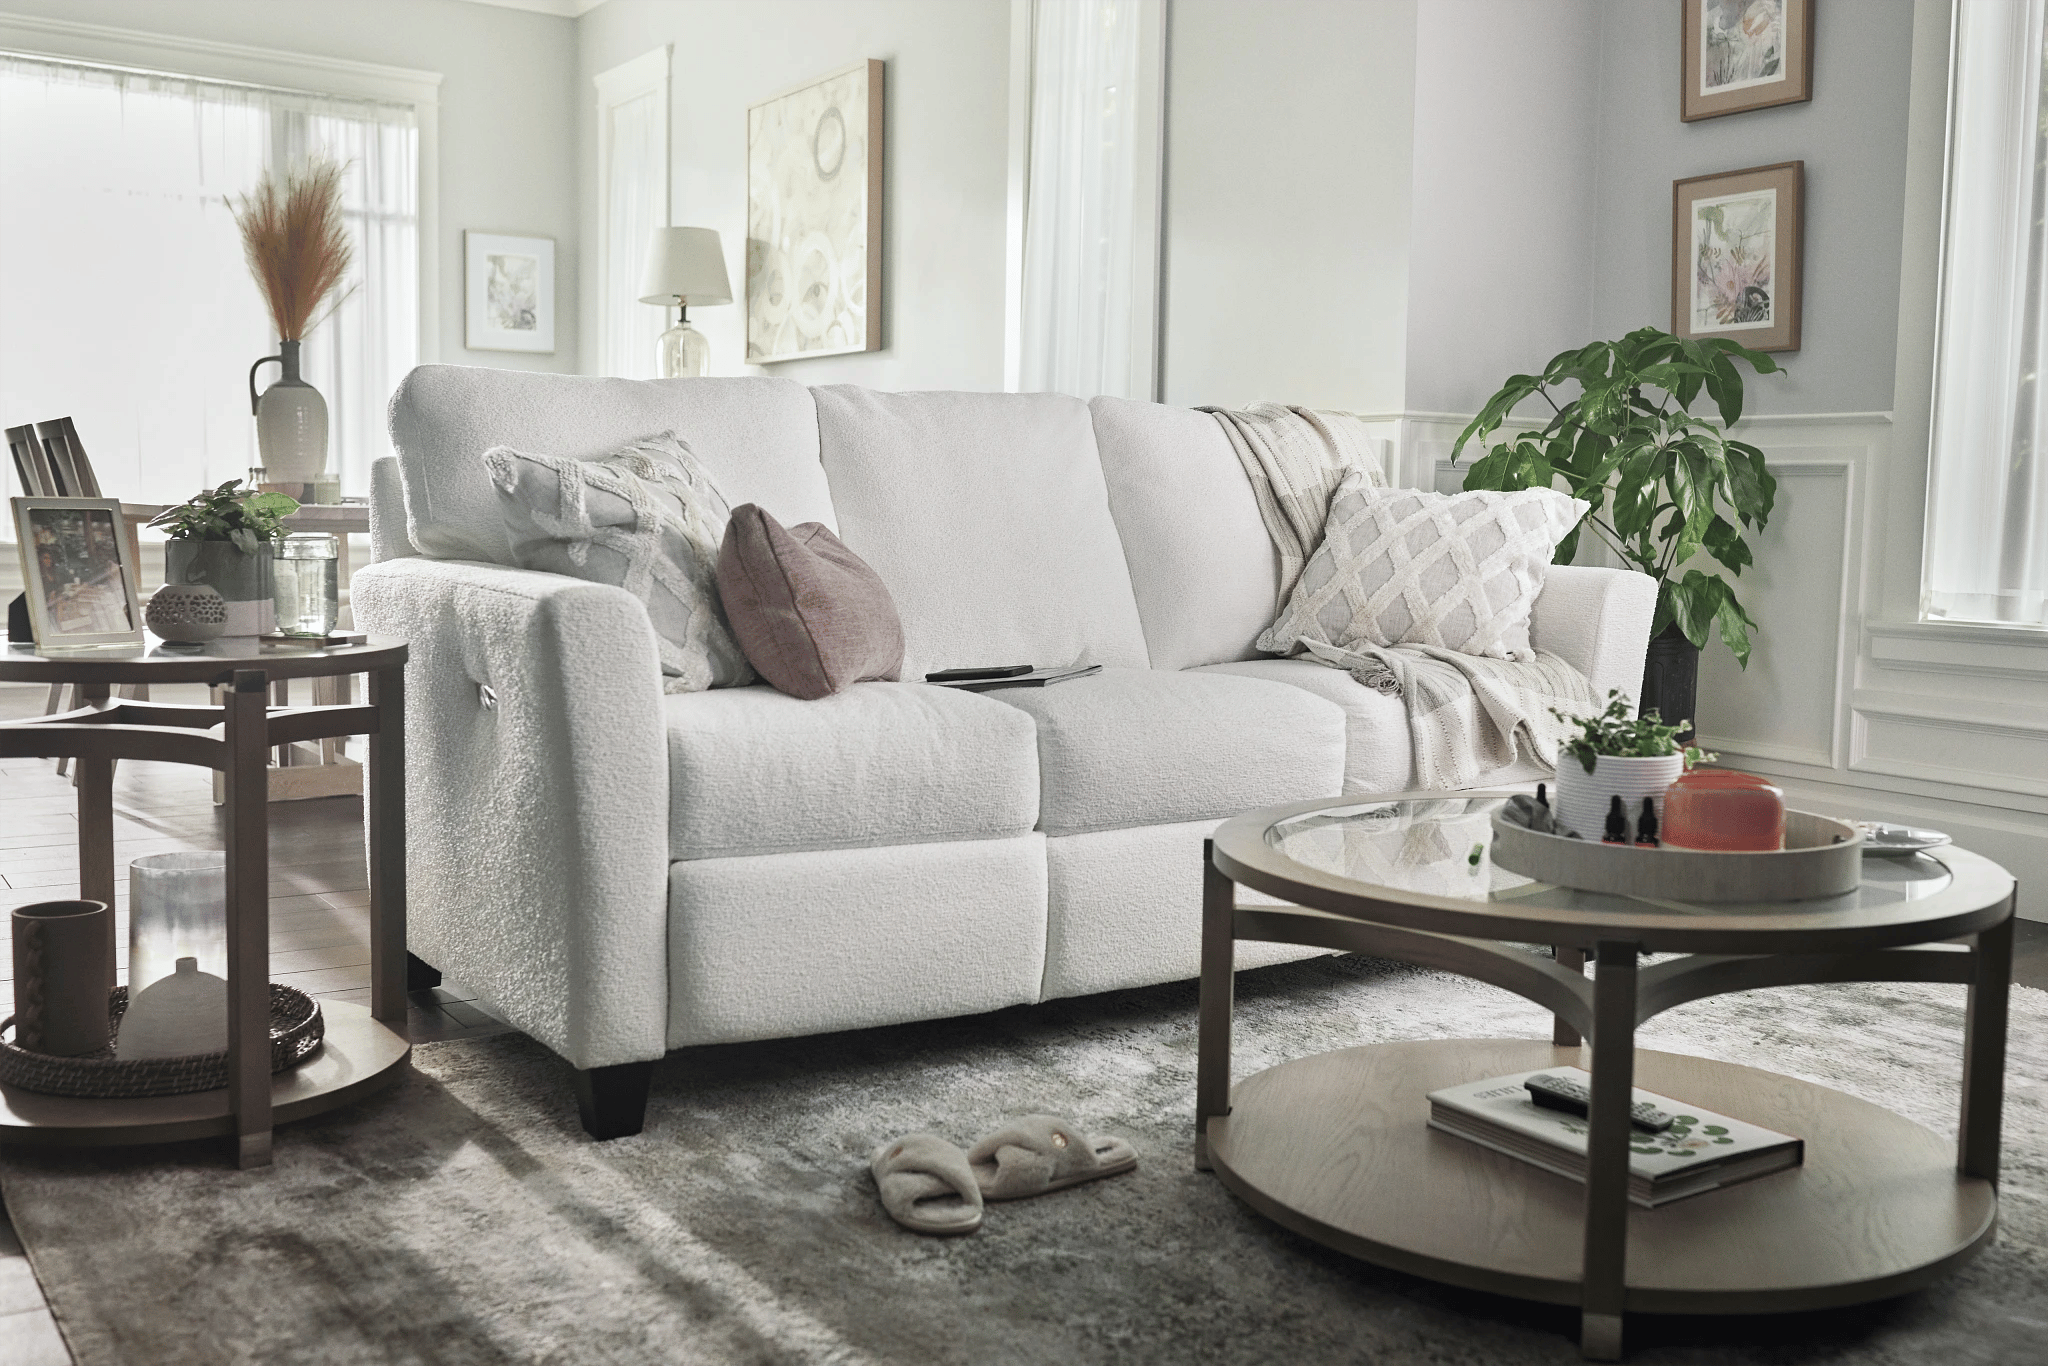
(1337,1147)
(363,1049)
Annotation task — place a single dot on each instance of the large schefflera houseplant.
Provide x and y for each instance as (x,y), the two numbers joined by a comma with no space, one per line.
(1664,482)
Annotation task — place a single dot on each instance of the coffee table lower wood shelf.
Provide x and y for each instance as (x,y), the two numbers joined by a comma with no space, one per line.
(1337,1147)
(359,1054)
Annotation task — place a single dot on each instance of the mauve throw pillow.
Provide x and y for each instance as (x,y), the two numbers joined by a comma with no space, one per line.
(811,616)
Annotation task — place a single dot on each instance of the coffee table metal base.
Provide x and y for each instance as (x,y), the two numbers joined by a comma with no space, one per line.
(1337,1148)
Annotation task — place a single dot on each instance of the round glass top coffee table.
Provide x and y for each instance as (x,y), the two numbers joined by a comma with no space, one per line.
(1337,1147)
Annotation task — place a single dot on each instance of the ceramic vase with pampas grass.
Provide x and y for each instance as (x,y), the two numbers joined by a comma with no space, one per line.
(299,252)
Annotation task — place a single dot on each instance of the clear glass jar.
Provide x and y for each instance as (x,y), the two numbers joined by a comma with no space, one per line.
(177,908)
(308,585)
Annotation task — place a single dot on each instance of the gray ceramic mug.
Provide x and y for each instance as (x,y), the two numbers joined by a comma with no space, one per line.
(62,964)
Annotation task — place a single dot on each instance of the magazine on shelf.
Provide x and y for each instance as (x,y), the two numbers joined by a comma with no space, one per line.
(1701,1151)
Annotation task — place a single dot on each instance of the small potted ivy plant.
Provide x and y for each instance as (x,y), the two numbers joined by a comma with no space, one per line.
(224,537)
(1618,754)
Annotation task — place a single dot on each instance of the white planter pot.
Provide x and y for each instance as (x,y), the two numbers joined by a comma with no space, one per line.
(1582,798)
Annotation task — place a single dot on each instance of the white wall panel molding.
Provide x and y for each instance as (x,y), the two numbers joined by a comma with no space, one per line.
(2002,749)
(1945,648)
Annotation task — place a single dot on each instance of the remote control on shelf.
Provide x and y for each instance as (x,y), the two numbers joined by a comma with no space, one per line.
(1562,1093)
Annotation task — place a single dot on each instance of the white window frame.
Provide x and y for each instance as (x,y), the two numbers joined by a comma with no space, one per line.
(618,281)
(1148,303)
(140,50)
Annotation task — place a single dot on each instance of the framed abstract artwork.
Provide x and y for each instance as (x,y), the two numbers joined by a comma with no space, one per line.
(814,218)
(1736,241)
(508,292)
(1745,54)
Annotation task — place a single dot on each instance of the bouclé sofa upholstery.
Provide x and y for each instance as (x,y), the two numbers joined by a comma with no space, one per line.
(619,871)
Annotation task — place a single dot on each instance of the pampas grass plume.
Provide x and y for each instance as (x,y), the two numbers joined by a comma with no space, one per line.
(297,248)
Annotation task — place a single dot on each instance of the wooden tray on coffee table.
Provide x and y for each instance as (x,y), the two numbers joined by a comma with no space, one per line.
(1822,857)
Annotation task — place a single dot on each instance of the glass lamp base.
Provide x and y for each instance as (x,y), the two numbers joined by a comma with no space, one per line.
(682,353)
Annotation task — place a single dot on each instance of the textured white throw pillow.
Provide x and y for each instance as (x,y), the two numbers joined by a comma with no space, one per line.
(1401,567)
(649,519)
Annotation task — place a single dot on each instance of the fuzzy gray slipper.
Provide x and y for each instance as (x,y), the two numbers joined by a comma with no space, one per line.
(927,1186)
(1041,1153)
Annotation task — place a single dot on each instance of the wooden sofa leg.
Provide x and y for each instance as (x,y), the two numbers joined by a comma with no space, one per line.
(613,1100)
(420,976)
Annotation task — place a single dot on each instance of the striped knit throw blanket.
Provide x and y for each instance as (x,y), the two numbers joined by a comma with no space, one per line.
(1468,715)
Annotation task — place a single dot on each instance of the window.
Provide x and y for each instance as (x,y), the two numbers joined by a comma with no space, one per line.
(1088,299)
(1987,493)
(126,301)
(632,167)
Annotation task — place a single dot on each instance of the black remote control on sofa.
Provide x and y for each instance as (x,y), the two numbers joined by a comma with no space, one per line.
(970,675)
(1562,1093)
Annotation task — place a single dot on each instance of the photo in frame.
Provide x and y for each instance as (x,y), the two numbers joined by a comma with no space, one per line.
(1744,54)
(508,292)
(814,218)
(1736,249)
(78,572)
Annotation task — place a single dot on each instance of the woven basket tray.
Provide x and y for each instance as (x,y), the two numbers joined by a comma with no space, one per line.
(296,1028)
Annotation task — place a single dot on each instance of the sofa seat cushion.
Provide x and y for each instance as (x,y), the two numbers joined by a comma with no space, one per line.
(1379,753)
(756,771)
(1132,747)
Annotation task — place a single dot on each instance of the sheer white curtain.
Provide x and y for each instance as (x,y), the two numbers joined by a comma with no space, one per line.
(124,299)
(632,103)
(1089,297)
(1987,503)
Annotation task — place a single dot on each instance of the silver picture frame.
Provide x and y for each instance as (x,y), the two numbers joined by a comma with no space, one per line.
(79,574)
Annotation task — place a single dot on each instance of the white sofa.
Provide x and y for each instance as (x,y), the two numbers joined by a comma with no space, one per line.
(619,872)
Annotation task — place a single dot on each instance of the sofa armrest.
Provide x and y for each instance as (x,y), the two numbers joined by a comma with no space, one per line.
(1599,621)
(537,815)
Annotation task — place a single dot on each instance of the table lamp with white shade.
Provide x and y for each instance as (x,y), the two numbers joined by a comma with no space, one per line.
(685,266)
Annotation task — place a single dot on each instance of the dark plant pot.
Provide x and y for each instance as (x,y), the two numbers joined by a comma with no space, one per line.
(243,581)
(1671,678)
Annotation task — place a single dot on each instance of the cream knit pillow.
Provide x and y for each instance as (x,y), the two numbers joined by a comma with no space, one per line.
(648,519)
(1398,566)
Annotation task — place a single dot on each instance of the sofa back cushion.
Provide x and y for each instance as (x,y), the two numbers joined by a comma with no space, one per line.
(758,437)
(1205,574)
(986,516)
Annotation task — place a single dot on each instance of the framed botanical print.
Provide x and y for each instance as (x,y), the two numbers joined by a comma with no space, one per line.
(1736,241)
(78,572)
(1745,54)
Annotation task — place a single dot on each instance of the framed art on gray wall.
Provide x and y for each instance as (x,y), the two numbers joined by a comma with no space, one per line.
(1744,54)
(508,292)
(814,218)
(1736,245)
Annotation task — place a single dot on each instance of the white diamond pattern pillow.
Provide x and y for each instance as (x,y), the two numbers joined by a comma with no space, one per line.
(649,519)
(1460,571)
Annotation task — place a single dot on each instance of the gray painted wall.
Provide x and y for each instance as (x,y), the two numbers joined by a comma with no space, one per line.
(944,170)
(506,126)
(1852,136)
(1500,274)
(1289,145)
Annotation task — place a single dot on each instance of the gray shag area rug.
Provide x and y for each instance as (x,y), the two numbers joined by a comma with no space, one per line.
(463,1218)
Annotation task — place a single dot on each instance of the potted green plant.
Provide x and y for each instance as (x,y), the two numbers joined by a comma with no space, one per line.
(223,537)
(1664,484)
(1618,754)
